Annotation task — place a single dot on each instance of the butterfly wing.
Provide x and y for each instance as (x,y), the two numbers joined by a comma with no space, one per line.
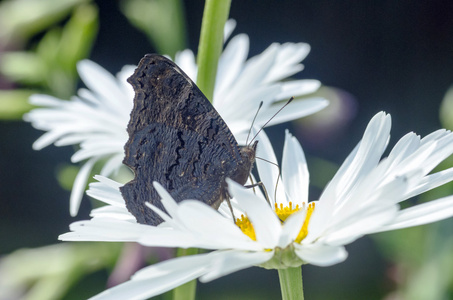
(176,138)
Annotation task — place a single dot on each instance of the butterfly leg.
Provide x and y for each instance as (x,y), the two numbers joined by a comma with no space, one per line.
(227,197)
(253,185)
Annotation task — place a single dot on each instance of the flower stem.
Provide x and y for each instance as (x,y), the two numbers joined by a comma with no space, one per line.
(211,42)
(186,291)
(291,283)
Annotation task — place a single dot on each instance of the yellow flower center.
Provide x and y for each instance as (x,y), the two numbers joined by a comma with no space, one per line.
(283,212)
(304,230)
(246,226)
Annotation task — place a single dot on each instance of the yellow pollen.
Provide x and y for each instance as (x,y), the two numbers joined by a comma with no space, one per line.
(304,230)
(246,227)
(284,212)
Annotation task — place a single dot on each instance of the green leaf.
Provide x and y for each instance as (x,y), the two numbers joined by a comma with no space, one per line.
(14,103)
(446,110)
(33,275)
(211,43)
(21,19)
(23,67)
(162,21)
(78,36)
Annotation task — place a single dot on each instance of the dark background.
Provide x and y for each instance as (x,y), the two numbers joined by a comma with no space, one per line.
(395,56)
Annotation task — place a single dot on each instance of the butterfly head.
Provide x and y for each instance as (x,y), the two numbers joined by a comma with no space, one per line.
(248,154)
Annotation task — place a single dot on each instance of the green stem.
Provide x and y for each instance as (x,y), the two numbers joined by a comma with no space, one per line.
(291,283)
(211,43)
(186,291)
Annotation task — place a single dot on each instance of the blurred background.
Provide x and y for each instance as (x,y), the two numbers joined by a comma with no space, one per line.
(395,56)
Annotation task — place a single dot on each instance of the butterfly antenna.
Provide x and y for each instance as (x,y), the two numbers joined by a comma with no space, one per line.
(253,122)
(262,127)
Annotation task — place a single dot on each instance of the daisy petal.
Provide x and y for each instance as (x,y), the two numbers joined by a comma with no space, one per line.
(159,278)
(79,186)
(267,165)
(265,222)
(296,110)
(296,177)
(321,255)
(104,229)
(231,261)
(422,214)
(206,223)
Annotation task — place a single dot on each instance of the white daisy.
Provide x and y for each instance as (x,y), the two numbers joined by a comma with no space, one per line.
(362,198)
(96,119)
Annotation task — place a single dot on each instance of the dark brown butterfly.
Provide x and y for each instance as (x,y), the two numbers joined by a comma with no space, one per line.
(178,139)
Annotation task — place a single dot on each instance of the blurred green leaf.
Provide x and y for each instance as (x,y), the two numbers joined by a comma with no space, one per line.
(162,21)
(446,110)
(21,19)
(61,49)
(14,103)
(23,67)
(321,171)
(30,274)
(432,279)
(78,36)
(53,64)
(422,260)
(66,175)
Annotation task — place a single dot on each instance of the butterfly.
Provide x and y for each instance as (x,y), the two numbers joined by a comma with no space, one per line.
(177,138)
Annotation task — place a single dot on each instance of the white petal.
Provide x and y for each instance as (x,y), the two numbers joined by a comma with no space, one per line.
(268,170)
(295,174)
(167,219)
(433,136)
(112,212)
(113,164)
(229,27)
(47,139)
(254,71)
(265,222)
(287,61)
(249,102)
(186,61)
(44,100)
(363,224)
(167,200)
(158,278)
(297,88)
(206,223)
(231,63)
(321,255)
(99,80)
(295,110)
(108,182)
(366,156)
(407,145)
(422,214)
(374,192)
(291,228)
(78,188)
(231,261)
(105,229)
(107,194)
(430,182)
